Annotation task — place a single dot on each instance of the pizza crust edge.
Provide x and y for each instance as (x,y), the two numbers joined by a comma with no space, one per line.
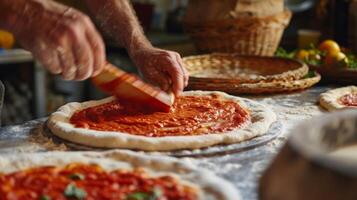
(207,184)
(329,100)
(261,119)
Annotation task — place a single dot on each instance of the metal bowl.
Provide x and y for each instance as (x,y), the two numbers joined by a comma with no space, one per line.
(306,169)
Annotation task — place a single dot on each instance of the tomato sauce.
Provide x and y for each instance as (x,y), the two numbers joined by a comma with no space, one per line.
(349,100)
(190,115)
(79,181)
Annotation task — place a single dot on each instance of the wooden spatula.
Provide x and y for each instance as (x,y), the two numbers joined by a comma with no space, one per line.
(129,87)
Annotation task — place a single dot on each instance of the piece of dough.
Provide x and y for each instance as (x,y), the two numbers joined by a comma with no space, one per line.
(261,117)
(330,99)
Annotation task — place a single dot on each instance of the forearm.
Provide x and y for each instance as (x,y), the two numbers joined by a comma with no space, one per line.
(17,15)
(117,18)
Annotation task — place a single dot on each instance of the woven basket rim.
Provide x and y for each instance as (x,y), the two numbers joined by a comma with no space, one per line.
(295,71)
(279,18)
(261,87)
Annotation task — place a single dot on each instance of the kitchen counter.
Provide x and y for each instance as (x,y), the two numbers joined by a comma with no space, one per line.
(243,168)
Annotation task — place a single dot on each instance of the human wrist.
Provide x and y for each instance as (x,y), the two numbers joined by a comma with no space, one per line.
(135,48)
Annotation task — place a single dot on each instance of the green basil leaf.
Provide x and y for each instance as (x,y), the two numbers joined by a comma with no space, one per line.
(76,176)
(45,197)
(154,195)
(73,191)
(157,193)
(138,196)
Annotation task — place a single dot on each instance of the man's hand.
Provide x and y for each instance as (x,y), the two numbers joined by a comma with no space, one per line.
(63,39)
(159,67)
(162,68)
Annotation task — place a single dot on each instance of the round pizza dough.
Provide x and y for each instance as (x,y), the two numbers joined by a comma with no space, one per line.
(261,119)
(330,99)
(208,185)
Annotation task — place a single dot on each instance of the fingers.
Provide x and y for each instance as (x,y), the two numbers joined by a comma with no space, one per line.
(84,60)
(67,63)
(44,54)
(96,46)
(175,72)
(184,70)
(58,43)
(49,59)
(164,68)
(157,77)
(88,49)
(163,82)
(72,45)
(80,50)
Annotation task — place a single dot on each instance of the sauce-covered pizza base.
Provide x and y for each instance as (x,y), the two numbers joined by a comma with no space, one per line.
(190,115)
(79,181)
(349,100)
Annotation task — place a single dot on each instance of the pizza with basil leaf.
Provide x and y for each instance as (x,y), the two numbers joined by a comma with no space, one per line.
(107,176)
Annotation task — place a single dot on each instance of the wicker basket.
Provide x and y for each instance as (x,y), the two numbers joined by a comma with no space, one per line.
(231,68)
(244,35)
(202,11)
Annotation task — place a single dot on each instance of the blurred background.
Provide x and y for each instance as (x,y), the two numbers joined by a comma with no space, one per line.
(188,27)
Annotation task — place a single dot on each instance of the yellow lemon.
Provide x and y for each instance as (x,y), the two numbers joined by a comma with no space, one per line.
(338,59)
(329,47)
(7,40)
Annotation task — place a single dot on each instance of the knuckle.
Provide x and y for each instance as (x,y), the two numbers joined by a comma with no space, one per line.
(73,29)
(59,38)
(85,19)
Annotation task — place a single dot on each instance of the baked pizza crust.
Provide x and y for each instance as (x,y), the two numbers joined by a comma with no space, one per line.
(207,184)
(330,99)
(261,119)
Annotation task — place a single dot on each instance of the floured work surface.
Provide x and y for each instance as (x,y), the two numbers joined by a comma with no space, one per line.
(51,142)
(243,168)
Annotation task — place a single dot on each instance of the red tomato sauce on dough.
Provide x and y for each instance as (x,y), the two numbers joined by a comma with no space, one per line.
(93,181)
(190,115)
(349,100)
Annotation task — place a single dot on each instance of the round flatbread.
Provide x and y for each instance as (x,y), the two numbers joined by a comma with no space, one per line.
(259,121)
(108,175)
(340,98)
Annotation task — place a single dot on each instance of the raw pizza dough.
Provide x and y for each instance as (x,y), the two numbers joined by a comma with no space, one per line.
(261,119)
(207,185)
(330,99)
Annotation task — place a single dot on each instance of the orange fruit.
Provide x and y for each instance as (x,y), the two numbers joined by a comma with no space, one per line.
(338,59)
(7,40)
(329,47)
(302,55)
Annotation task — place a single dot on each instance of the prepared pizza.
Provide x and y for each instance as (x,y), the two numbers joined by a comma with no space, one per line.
(197,119)
(110,175)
